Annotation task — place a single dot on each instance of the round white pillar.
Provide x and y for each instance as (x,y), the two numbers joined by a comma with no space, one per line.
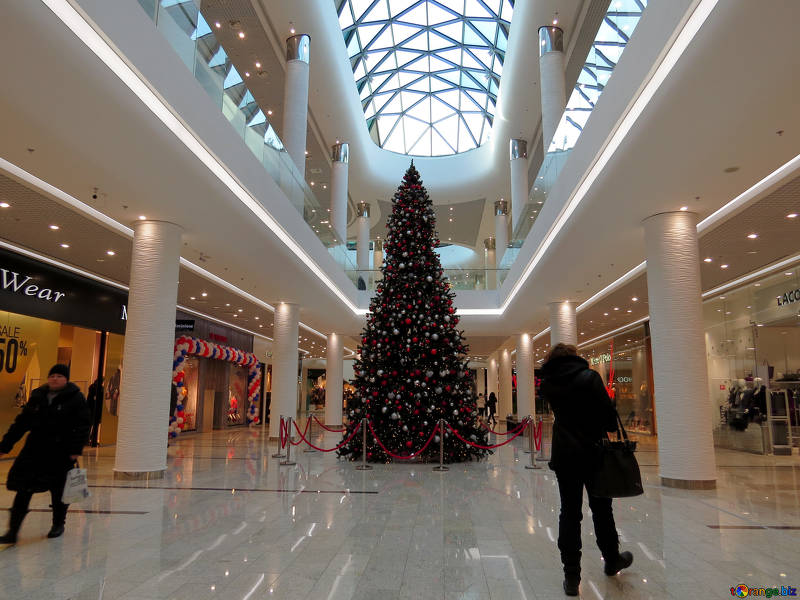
(340,153)
(525,386)
(284,365)
(333,381)
(362,241)
(563,323)
(491,263)
(680,371)
(504,403)
(519,180)
(491,376)
(295,99)
(551,80)
(500,229)
(148,352)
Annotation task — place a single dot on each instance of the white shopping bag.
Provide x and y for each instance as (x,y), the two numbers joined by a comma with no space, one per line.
(76,488)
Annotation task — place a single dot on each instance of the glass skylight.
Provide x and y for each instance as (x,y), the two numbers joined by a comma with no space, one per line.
(427,71)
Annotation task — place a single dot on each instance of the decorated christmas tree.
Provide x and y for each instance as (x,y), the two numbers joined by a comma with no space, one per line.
(412,369)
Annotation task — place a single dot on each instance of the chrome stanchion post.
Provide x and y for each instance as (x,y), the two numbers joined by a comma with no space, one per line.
(441,466)
(288,462)
(310,427)
(279,453)
(541,438)
(364,466)
(532,445)
(530,433)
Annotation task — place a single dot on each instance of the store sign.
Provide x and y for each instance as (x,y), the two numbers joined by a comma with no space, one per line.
(217,337)
(789,297)
(622,379)
(184,324)
(28,287)
(603,358)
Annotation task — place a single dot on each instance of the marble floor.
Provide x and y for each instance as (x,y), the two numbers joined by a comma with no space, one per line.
(228,522)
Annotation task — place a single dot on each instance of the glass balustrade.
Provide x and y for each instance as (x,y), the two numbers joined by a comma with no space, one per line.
(183,26)
(612,37)
(460,279)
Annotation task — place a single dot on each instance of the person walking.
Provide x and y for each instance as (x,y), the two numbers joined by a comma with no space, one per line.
(58,419)
(491,407)
(583,414)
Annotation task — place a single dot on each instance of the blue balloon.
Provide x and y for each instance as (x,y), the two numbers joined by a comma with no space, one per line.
(179,407)
(179,384)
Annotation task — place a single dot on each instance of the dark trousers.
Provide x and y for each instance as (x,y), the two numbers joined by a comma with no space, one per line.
(570,487)
(22,501)
(491,418)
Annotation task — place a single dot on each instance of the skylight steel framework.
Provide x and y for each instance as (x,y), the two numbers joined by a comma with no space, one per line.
(427,71)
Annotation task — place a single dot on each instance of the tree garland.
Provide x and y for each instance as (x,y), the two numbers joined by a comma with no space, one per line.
(186,345)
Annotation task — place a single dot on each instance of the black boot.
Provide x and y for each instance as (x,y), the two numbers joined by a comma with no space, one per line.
(59,518)
(623,560)
(14,523)
(572,579)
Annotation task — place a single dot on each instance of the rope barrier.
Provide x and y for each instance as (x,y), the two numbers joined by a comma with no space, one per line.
(282,433)
(326,428)
(302,435)
(303,439)
(485,426)
(537,435)
(398,456)
(466,441)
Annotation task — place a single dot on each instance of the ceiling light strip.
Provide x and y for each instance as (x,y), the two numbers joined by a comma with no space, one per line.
(102,49)
(633,273)
(784,171)
(61,265)
(679,46)
(778,266)
(608,334)
(62,196)
(543,332)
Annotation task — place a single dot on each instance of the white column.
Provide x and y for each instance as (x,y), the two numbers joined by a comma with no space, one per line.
(504,377)
(333,381)
(340,153)
(362,241)
(525,387)
(551,80)
(295,99)
(563,323)
(491,263)
(148,352)
(519,180)
(491,378)
(680,371)
(500,229)
(284,365)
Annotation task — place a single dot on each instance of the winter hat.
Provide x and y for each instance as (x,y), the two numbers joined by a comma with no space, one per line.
(59,370)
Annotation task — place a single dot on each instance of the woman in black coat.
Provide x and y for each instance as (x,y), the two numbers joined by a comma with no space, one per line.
(58,419)
(583,414)
(491,407)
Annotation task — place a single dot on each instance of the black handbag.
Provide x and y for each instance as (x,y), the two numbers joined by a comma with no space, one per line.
(617,474)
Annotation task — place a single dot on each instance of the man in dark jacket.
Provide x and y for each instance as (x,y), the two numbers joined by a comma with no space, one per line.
(58,419)
(583,414)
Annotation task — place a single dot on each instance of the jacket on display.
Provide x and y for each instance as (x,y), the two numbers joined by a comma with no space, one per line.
(58,428)
(583,412)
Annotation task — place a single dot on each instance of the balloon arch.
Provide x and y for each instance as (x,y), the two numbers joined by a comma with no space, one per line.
(186,345)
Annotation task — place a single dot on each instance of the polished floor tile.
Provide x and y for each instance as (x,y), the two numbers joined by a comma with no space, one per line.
(228,522)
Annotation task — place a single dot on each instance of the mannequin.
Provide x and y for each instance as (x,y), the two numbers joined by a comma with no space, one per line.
(758,408)
(738,413)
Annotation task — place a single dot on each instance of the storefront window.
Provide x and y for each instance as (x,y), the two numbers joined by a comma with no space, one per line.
(237,395)
(187,394)
(624,364)
(753,349)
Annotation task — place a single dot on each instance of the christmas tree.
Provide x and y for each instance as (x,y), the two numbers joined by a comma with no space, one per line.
(412,369)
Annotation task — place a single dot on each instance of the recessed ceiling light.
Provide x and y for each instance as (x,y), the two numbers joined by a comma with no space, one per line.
(217,24)
(629,310)
(684,208)
(227,304)
(291,30)
(258,65)
(142,218)
(240,309)
(269,112)
(635,299)
(752,236)
(110,252)
(241,35)
(247,73)
(757,284)
(789,216)
(204,294)
(616,308)
(54,227)
(192,298)
(64,245)
(722,297)
(605,314)
(235,315)
(788,274)
(4,205)
(707,259)
(723,266)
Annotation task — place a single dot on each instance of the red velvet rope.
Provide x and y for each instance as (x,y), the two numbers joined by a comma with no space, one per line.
(302,435)
(458,435)
(410,456)
(485,426)
(537,435)
(282,433)
(326,428)
(303,438)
